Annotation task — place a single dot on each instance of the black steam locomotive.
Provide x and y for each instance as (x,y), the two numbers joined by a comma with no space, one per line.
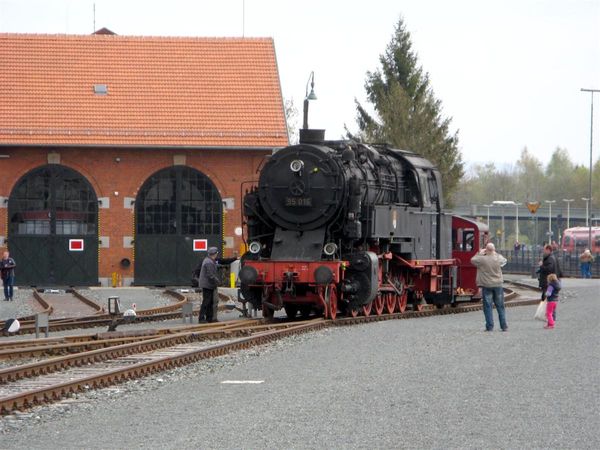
(345,226)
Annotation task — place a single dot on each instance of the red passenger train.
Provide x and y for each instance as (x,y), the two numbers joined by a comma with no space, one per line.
(341,227)
(576,239)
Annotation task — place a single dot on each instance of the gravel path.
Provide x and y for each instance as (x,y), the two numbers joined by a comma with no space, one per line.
(144,298)
(66,305)
(21,306)
(437,382)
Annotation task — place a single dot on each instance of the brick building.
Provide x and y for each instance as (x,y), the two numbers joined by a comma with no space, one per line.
(124,157)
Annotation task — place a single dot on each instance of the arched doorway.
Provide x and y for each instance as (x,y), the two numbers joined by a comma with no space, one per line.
(176,208)
(52,228)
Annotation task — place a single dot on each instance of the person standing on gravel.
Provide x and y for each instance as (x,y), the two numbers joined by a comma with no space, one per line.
(219,262)
(208,281)
(489,278)
(552,297)
(548,264)
(7,273)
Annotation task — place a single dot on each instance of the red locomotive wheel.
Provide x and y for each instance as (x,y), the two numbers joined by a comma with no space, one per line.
(267,312)
(332,301)
(378,303)
(354,312)
(390,303)
(418,305)
(366,309)
(402,300)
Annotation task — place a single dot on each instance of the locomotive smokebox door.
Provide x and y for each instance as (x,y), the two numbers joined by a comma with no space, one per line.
(295,245)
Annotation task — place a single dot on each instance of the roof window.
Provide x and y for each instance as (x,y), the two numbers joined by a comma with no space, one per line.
(100,89)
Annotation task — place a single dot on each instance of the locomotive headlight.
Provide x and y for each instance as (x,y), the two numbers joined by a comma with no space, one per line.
(254,247)
(330,248)
(296,165)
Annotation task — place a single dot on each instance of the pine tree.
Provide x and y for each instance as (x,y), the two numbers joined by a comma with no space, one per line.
(408,114)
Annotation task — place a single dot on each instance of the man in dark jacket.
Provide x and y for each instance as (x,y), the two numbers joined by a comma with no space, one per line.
(196,274)
(548,264)
(208,282)
(7,272)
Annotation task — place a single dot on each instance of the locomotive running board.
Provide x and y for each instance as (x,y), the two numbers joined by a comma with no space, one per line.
(422,263)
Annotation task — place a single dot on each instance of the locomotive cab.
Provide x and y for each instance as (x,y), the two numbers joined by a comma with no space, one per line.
(468,237)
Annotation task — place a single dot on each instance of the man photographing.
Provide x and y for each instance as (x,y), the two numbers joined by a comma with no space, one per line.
(489,277)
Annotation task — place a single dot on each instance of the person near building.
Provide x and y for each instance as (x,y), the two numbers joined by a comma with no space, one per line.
(208,281)
(215,302)
(585,263)
(220,262)
(489,265)
(7,273)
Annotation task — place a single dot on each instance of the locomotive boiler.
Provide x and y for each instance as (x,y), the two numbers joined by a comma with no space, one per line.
(343,226)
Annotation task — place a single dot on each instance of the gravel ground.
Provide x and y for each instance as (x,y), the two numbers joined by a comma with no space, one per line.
(437,382)
(144,298)
(21,305)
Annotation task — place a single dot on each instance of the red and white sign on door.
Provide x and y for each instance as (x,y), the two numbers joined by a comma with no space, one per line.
(200,245)
(76,245)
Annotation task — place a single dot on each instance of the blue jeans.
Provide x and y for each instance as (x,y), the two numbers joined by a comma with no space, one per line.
(8,287)
(586,270)
(495,295)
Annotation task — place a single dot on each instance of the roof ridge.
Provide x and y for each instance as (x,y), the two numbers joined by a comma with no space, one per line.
(132,37)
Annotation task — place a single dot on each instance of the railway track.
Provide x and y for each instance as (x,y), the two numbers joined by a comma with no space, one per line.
(31,348)
(127,357)
(99,318)
(36,383)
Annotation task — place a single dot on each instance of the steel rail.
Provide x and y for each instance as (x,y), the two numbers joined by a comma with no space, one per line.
(57,391)
(41,395)
(89,357)
(32,347)
(100,318)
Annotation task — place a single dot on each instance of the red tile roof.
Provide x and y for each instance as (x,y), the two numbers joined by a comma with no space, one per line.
(162,91)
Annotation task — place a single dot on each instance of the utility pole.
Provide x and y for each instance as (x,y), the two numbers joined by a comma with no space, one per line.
(589,209)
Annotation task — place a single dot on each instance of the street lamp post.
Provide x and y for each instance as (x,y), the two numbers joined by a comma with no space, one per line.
(503,203)
(488,214)
(307,97)
(589,201)
(550,219)
(587,204)
(517,221)
(568,200)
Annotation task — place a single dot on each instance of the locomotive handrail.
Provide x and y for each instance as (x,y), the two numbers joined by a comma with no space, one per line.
(427,213)
(420,263)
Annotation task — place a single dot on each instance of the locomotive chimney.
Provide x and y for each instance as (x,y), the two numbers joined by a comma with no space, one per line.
(312,136)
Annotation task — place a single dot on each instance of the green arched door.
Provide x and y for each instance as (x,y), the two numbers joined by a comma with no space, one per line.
(175,208)
(52,229)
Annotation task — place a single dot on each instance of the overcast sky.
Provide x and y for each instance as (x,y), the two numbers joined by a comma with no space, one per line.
(509,72)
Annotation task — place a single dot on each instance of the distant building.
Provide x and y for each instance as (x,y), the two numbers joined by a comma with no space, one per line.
(122,157)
